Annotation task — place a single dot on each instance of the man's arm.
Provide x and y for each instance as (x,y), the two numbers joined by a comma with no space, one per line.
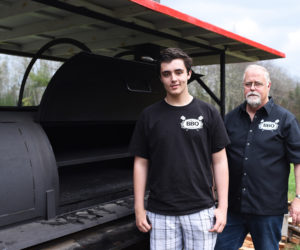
(140,174)
(295,206)
(220,167)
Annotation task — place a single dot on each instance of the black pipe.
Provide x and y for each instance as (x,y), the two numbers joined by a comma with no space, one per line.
(200,54)
(222,83)
(38,55)
(203,85)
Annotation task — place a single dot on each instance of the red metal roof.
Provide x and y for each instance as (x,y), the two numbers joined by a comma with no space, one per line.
(118,26)
(155,6)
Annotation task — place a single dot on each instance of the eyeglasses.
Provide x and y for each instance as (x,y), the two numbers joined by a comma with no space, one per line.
(256,84)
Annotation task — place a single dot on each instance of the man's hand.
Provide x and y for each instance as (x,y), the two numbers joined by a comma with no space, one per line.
(140,173)
(141,221)
(221,216)
(220,169)
(295,211)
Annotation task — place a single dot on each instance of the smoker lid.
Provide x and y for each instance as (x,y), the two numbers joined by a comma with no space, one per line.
(91,87)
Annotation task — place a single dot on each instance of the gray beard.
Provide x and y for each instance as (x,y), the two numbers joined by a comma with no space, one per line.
(253,102)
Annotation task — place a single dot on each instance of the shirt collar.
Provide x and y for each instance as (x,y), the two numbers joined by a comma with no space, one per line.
(267,107)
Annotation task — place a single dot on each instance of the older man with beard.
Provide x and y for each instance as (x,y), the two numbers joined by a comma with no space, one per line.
(265,139)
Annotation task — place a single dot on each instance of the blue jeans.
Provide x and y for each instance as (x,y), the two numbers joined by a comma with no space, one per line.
(265,231)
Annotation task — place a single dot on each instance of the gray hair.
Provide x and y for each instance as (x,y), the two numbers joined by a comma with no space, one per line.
(256,66)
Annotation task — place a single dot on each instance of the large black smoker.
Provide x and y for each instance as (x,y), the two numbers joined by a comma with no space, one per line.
(68,159)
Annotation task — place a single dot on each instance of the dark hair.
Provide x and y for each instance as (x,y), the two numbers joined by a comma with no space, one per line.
(169,54)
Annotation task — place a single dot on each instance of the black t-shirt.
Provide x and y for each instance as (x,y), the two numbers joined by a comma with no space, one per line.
(179,142)
(259,158)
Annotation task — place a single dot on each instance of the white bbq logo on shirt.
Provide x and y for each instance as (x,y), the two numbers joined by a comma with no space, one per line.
(266,125)
(191,123)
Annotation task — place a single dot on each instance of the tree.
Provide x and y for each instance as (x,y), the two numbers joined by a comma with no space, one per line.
(294,100)
(285,89)
(37,82)
(7,92)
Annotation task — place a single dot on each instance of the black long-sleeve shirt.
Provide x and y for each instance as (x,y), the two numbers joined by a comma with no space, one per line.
(259,158)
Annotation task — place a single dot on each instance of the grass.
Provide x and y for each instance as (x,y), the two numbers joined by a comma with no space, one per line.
(292,185)
(291,196)
(290,246)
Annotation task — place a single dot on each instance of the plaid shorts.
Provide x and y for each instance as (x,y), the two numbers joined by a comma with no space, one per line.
(185,231)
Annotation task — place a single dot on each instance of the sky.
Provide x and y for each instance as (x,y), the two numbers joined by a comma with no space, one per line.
(275,23)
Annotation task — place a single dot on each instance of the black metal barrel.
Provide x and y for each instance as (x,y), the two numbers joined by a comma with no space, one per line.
(28,173)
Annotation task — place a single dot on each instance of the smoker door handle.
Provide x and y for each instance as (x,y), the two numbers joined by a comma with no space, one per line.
(149,90)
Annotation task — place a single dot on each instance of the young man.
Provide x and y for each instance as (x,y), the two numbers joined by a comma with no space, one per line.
(176,143)
(265,139)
